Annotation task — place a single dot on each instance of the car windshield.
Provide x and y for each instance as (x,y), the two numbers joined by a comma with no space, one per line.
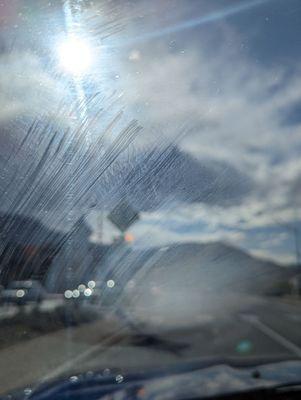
(150,185)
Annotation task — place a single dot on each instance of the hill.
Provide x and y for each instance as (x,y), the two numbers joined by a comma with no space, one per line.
(215,267)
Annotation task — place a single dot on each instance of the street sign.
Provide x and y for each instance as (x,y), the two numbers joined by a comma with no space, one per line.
(123,215)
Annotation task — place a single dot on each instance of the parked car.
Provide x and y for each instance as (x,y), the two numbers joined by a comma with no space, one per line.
(23,292)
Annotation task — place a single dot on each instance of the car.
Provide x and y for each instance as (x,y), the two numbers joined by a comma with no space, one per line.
(23,292)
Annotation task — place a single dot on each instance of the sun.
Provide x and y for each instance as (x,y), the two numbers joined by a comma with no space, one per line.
(75,55)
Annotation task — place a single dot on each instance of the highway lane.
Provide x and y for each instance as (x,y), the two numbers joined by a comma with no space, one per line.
(250,326)
(258,327)
(282,317)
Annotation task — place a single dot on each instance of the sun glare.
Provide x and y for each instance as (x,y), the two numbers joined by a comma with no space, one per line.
(75,56)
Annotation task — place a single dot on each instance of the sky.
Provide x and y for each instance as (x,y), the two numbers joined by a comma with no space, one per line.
(219,81)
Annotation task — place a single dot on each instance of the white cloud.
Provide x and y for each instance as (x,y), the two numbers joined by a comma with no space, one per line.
(235,111)
(233,106)
(27,88)
(202,223)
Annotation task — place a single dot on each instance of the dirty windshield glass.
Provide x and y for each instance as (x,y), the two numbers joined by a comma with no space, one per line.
(150,189)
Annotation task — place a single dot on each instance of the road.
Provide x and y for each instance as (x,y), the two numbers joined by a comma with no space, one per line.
(244,326)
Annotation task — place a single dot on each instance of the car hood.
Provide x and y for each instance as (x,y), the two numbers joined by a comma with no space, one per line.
(169,384)
(223,379)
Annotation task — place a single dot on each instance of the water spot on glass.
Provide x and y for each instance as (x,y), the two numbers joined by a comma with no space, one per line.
(73,379)
(131,284)
(106,372)
(27,391)
(134,55)
(119,378)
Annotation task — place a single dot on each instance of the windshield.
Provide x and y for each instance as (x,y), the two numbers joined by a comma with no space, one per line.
(150,188)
